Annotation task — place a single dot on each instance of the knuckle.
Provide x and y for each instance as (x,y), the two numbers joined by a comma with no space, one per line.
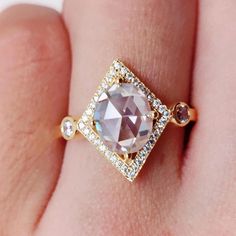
(30,40)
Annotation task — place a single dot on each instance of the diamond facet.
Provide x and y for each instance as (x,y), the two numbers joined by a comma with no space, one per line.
(121,118)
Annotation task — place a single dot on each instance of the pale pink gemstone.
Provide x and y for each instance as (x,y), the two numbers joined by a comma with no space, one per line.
(181,113)
(122,118)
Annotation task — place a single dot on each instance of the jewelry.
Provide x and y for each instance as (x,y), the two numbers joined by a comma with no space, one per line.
(124,120)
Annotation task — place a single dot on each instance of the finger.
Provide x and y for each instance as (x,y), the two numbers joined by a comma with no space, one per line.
(156,40)
(34,78)
(209,185)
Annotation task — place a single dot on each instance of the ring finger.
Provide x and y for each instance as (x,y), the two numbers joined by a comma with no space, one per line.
(156,39)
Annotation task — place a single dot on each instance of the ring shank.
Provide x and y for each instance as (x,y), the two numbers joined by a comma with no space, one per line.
(193,114)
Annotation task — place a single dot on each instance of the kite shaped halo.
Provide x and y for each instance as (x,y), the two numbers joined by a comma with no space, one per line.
(129,167)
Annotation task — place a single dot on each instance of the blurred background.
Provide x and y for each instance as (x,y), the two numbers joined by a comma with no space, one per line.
(56,4)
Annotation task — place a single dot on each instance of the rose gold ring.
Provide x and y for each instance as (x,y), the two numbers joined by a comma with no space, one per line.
(124,120)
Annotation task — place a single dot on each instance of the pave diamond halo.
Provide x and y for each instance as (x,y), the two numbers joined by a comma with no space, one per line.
(124,120)
(122,114)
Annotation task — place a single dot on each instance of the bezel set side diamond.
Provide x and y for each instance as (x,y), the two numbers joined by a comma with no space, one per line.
(68,128)
(130,169)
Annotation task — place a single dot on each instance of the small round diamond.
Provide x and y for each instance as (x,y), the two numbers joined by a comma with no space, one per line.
(151,97)
(81,125)
(102,148)
(68,128)
(108,153)
(156,103)
(104,85)
(161,123)
(166,114)
(162,109)
(117,65)
(123,71)
(91,137)
(118,164)
(129,77)
(89,112)
(138,162)
(113,159)
(96,142)
(124,168)
(112,72)
(86,131)
(109,78)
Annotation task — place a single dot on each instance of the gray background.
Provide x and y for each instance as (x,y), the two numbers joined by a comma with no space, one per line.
(56,4)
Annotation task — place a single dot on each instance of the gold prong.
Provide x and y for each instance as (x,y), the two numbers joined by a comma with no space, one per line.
(153,115)
(93,123)
(126,156)
(117,80)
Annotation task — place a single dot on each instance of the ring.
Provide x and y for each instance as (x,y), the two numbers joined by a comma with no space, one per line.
(124,120)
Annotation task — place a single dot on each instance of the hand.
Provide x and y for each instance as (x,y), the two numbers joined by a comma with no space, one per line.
(182,50)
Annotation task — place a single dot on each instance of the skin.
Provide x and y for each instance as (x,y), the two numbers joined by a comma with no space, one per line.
(51,65)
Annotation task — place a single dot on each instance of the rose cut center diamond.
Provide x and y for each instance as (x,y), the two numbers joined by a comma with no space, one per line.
(122,118)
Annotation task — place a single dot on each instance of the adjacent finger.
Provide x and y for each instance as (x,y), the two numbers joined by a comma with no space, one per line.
(207,202)
(34,79)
